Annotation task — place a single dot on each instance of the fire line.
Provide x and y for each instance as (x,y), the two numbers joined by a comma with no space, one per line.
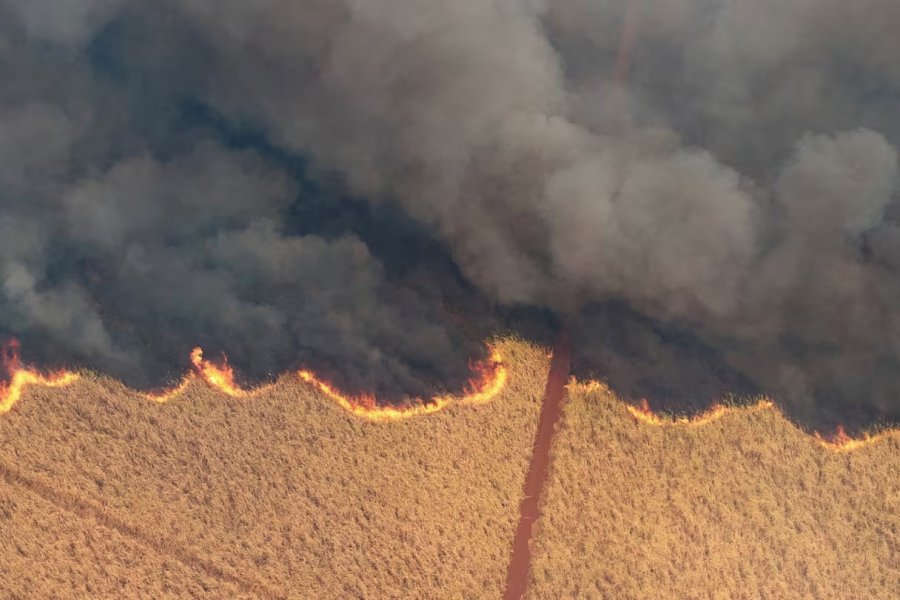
(21,377)
(839,442)
(489,379)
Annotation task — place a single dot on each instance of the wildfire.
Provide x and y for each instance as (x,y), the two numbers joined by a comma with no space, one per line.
(170,394)
(20,377)
(841,442)
(218,376)
(490,379)
(714,413)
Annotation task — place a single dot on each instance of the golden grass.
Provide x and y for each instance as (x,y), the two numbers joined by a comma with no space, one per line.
(48,554)
(741,504)
(282,494)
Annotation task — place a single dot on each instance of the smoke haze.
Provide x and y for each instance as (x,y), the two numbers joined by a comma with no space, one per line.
(370,187)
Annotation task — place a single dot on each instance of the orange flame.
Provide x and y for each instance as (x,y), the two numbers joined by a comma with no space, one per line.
(841,442)
(164,396)
(490,380)
(220,377)
(21,377)
(714,413)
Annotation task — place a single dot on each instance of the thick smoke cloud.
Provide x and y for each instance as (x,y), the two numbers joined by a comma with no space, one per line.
(740,190)
(129,232)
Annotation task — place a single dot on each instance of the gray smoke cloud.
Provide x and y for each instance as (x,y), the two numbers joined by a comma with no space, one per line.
(129,234)
(742,187)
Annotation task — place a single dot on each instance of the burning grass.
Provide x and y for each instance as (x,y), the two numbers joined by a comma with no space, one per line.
(285,489)
(297,491)
(733,503)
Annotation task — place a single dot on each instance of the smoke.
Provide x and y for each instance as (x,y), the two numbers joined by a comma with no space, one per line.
(136,225)
(736,200)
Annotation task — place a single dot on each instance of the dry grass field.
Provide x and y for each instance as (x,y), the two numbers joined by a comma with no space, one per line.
(49,554)
(284,494)
(743,506)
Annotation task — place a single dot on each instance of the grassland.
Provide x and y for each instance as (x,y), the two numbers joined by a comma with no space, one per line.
(49,554)
(745,506)
(284,494)
(104,494)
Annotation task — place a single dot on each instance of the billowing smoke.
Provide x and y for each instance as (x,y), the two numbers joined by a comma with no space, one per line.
(189,172)
(136,223)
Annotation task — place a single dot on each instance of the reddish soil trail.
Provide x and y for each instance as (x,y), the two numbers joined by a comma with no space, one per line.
(88,510)
(520,563)
(551,411)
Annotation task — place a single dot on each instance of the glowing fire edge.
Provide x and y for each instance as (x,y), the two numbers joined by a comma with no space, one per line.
(840,442)
(493,375)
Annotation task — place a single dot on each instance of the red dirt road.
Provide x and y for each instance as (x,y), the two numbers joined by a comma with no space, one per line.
(517,576)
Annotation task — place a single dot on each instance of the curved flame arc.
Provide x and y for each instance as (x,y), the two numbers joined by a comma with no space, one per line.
(11,392)
(167,395)
(21,377)
(220,376)
(840,442)
(491,377)
(217,376)
(714,413)
(490,380)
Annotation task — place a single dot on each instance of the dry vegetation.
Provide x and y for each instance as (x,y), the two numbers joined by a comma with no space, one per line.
(49,554)
(105,494)
(284,494)
(746,506)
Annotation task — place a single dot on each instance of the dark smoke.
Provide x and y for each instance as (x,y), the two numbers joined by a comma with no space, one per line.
(137,223)
(370,187)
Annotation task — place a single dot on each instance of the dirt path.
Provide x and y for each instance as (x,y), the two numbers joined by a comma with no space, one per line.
(520,563)
(517,576)
(88,510)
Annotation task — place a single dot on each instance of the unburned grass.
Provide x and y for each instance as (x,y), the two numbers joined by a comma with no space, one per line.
(284,488)
(105,494)
(744,506)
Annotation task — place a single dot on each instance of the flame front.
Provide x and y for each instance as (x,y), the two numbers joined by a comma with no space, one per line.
(11,392)
(220,377)
(21,377)
(490,380)
(170,394)
(840,442)
(217,376)
(714,413)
